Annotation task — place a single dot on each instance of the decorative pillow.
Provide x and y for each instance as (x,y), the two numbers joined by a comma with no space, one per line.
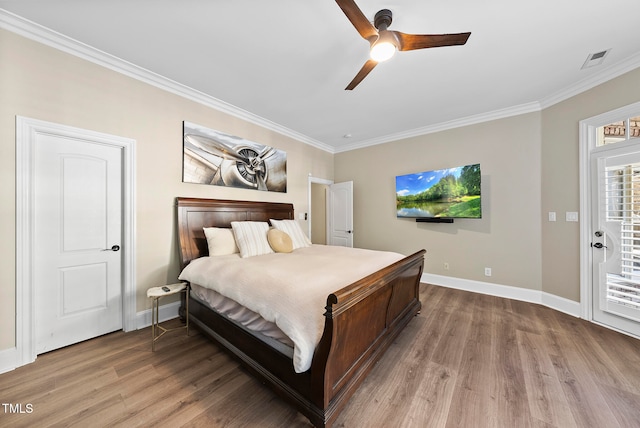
(293,229)
(251,237)
(279,241)
(220,241)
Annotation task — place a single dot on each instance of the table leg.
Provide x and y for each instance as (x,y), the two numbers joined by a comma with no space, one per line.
(187,307)
(154,322)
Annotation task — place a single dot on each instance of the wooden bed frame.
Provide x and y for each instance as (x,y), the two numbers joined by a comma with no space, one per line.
(362,319)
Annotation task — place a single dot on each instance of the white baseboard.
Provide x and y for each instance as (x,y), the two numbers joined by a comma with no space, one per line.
(165,313)
(9,357)
(561,304)
(509,292)
(8,360)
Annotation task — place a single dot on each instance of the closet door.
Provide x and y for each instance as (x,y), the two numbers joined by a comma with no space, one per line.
(78,216)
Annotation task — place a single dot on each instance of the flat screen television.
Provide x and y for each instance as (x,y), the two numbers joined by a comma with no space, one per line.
(440,194)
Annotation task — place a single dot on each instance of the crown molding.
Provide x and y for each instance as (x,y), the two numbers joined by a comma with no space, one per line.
(443,126)
(603,76)
(583,85)
(38,33)
(48,37)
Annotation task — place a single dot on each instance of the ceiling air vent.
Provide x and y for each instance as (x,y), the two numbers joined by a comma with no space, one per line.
(595,59)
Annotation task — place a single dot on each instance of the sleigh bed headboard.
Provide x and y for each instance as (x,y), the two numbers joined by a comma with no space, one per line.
(195,213)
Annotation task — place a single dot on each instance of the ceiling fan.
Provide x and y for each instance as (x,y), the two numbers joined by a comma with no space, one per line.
(385,42)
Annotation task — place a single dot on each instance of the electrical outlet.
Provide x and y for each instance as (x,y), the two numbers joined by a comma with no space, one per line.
(487,271)
(446,266)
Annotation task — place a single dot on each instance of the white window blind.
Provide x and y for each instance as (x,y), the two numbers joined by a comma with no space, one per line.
(622,192)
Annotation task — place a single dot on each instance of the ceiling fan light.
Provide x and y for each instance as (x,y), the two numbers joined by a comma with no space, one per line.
(382,51)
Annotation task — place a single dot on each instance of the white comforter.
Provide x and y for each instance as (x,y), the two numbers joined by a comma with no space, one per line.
(289,289)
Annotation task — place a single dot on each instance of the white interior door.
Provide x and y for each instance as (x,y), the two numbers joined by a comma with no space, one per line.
(615,233)
(340,214)
(77,233)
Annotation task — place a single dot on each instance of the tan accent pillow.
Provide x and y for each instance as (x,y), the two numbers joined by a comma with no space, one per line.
(293,229)
(280,241)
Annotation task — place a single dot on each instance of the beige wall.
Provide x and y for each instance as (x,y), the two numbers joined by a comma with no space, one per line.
(43,83)
(561,180)
(530,166)
(506,239)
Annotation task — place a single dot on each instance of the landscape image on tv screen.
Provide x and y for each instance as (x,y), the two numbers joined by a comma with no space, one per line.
(444,193)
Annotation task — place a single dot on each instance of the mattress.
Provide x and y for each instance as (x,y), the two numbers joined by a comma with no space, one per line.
(239,314)
(289,289)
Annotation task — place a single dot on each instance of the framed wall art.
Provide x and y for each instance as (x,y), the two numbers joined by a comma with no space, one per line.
(213,157)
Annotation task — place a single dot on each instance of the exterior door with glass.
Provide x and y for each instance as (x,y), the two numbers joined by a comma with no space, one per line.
(615,240)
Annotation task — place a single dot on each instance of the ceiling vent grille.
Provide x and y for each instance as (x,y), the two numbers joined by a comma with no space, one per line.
(595,59)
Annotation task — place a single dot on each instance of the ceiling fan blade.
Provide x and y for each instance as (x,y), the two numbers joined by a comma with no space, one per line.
(366,69)
(409,42)
(357,18)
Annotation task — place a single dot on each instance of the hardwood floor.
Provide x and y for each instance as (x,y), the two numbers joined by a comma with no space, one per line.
(468,360)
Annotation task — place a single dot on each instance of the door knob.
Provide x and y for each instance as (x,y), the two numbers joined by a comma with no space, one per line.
(598,245)
(114,248)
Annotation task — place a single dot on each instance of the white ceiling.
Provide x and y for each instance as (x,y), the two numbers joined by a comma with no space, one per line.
(287,62)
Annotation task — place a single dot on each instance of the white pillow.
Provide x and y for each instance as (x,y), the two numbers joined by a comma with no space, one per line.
(251,237)
(220,241)
(293,229)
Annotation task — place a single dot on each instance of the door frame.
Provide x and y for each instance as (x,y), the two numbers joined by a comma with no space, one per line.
(316,180)
(587,142)
(26,131)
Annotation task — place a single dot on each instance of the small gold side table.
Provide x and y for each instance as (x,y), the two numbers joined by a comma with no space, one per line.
(156,293)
